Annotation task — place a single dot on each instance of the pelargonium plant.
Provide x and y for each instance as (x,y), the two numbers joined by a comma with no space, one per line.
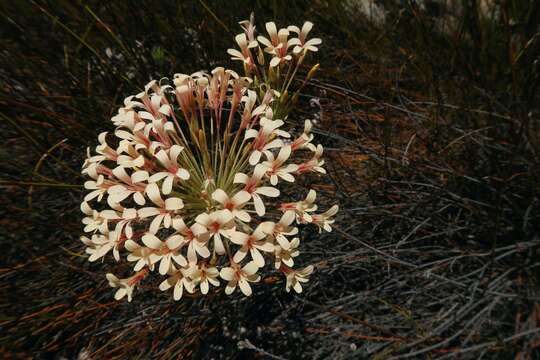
(188,185)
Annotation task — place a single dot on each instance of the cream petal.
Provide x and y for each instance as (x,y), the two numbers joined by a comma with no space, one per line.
(284,154)
(275,61)
(286,176)
(120,293)
(283,242)
(152,191)
(267,191)
(264,41)
(231,286)
(151,241)
(287,218)
(148,211)
(240,178)
(157,176)
(250,268)
(266,246)
(183,174)
(203,219)
(242,216)
(120,173)
(267,227)
(271,28)
(139,265)
(251,133)
(235,53)
(167,221)
(156,223)
(244,287)
(204,287)
(240,255)
(174,152)
(131,245)
(180,260)
(177,292)
(165,285)
(174,241)
(161,155)
(259,205)
(203,251)
(306,28)
(220,196)
(139,176)
(255,157)
(218,245)
(241,198)
(164,265)
(239,238)
(191,253)
(224,216)
(174,203)
(168,184)
(257,258)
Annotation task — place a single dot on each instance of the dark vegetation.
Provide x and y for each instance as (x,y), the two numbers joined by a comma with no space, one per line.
(432,146)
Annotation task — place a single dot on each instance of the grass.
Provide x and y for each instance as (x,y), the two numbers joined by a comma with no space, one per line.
(431,140)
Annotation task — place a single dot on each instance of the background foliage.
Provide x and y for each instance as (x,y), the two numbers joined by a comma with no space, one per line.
(430,117)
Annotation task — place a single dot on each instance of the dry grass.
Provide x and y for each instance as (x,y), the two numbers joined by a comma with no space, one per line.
(432,143)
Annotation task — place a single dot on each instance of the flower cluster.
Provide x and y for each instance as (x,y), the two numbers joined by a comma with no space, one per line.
(188,185)
(274,59)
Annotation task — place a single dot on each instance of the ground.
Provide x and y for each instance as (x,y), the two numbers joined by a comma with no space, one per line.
(431,144)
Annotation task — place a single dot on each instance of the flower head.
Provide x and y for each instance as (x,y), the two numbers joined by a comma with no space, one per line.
(193,188)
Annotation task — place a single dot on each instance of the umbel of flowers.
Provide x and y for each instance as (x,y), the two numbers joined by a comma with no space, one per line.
(188,185)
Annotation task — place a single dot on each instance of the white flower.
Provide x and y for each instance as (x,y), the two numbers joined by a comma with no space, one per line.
(123,285)
(262,138)
(302,44)
(277,45)
(253,243)
(204,276)
(131,185)
(302,208)
(163,211)
(274,166)
(139,254)
(217,223)
(323,221)
(93,220)
(105,243)
(240,276)
(99,187)
(314,164)
(286,256)
(180,281)
(295,278)
(169,160)
(234,204)
(304,140)
(165,251)
(281,229)
(196,238)
(252,187)
(244,54)
(105,151)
